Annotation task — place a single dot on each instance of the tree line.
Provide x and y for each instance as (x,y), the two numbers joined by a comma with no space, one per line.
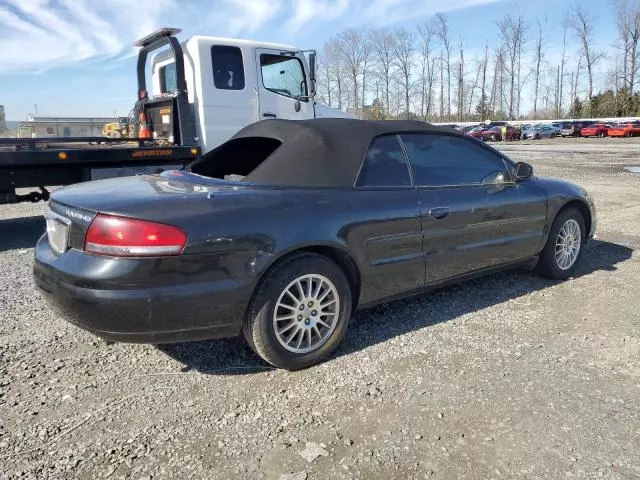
(422,72)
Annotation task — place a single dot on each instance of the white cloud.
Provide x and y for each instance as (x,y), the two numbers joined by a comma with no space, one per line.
(41,34)
(384,12)
(306,11)
(247,16)
(38,35)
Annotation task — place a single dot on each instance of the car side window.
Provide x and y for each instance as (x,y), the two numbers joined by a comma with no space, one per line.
(441,160)
(228,68)
(385,164)
(283,74)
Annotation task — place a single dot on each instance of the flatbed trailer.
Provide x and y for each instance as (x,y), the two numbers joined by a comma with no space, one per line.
(41,162)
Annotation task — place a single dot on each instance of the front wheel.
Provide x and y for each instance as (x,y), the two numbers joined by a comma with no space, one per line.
(560,255)
(300,312)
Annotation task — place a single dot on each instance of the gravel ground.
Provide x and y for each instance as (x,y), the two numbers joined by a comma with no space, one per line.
(507,377)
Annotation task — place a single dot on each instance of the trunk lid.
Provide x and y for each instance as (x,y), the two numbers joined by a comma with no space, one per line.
(163,198)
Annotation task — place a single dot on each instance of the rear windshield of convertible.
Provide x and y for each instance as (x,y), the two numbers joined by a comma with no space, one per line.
(236,158)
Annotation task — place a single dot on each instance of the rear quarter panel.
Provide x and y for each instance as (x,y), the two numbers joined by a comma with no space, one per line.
(255,227)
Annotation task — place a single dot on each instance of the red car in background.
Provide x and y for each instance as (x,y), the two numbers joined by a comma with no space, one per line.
(477,131)
(625,130)
(595,130)
(495,133)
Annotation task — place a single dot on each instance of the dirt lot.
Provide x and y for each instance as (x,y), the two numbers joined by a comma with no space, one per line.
(508,377)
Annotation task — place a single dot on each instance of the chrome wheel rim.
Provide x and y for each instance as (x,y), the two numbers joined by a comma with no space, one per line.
(568,243)
(306,313)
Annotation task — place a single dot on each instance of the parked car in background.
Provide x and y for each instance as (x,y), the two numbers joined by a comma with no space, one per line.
(206,252)
(595,130)
(495,134)
(571,129)
(556,127)
(629,129)
(477,131)
(538,132)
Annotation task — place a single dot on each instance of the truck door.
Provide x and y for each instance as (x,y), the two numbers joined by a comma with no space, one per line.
(283,87)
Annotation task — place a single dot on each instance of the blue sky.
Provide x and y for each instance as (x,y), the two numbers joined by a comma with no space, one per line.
(74,57)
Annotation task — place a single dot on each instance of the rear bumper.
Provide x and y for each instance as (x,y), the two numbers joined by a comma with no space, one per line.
(142,300)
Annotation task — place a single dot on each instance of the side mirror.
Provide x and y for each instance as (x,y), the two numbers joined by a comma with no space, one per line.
(312,73)
(523,171)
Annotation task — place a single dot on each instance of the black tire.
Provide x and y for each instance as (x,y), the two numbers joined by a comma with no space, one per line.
(547,264)
(258,327)
(537,137)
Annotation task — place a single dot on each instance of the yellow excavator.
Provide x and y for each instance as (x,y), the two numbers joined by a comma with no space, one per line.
(120,129)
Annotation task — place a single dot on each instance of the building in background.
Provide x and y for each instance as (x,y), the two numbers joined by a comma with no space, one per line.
(3,120)
(41,126)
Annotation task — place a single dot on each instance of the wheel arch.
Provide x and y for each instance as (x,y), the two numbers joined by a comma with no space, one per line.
(342,258)
(583,208)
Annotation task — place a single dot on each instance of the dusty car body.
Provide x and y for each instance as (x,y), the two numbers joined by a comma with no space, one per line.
(282,232)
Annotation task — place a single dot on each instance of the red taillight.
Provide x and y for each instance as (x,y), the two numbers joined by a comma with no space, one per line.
(128,237)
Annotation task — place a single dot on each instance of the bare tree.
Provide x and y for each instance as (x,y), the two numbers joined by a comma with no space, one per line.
(366,63)
(561,74)
(628,22)
(583,23)
(404,48)
(382,47)
(485,64)
(441,61)
(351,44)
(474,86)
(497,86)
(512,31)
(335,70)
(538,59)
(426,35)
(442,31)
(461,82)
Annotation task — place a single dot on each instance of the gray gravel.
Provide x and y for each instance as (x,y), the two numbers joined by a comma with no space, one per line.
(506,377)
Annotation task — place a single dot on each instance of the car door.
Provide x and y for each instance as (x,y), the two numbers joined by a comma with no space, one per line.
(386,231)
(473,215)
(282,86)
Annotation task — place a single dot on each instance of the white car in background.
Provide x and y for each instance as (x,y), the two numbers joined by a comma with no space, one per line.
(537,132)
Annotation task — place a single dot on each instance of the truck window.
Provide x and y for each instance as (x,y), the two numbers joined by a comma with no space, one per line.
(168,81)
(228,68)
(283,74)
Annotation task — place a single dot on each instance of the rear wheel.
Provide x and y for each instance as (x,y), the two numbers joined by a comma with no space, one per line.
(300,312)
(560,256)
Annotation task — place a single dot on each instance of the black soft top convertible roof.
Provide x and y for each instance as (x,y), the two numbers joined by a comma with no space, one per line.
(320,152)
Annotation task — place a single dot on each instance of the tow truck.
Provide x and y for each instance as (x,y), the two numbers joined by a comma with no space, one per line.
(204,90)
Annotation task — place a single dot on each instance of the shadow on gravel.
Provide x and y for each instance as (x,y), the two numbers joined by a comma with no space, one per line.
(378,324)
(20,232)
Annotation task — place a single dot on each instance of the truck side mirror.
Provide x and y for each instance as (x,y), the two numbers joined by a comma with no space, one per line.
(312,71)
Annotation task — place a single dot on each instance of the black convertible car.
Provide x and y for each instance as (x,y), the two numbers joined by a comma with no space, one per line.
(287,228)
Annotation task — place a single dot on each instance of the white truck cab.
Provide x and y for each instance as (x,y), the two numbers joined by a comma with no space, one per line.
(231,83)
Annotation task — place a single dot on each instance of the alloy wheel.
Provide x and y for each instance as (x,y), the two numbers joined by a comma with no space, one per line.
(306,313)
(568,243)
